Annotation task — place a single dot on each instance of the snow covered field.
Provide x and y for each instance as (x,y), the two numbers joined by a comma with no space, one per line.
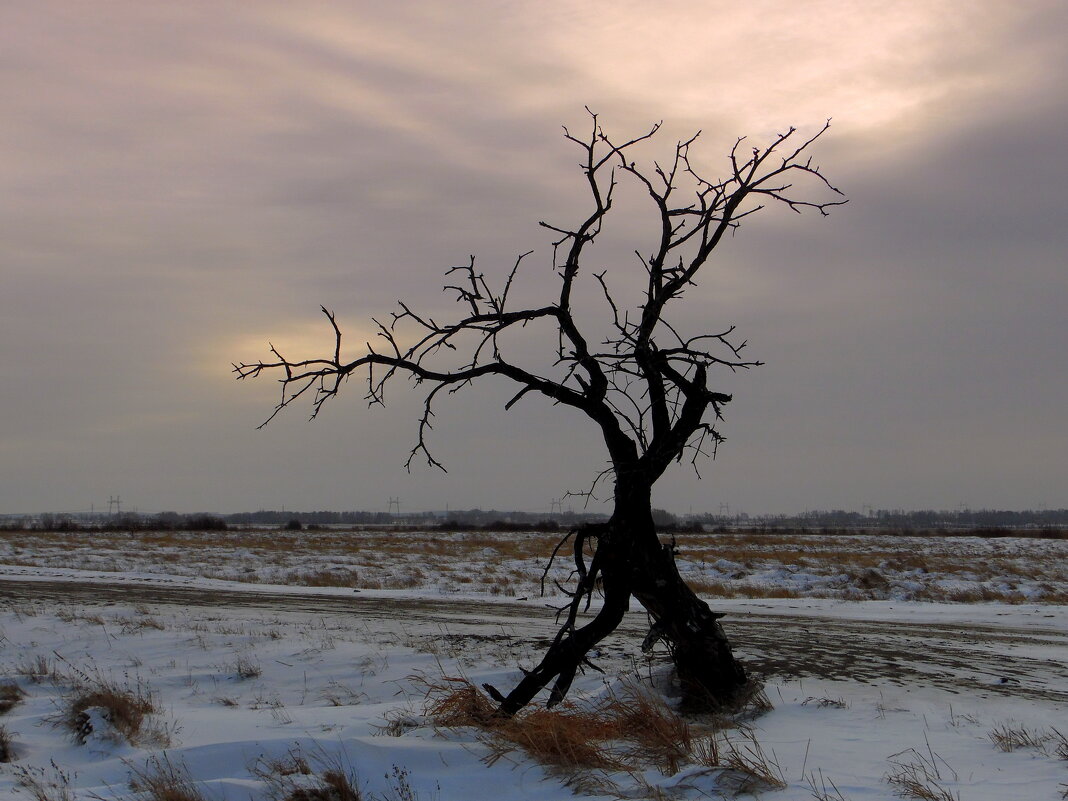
(508,564)
(239,700)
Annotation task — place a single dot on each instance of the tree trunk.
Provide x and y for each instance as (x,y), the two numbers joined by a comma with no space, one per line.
(633,562)
(709,675)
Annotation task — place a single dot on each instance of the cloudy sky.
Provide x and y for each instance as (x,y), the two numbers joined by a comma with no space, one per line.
(182,182)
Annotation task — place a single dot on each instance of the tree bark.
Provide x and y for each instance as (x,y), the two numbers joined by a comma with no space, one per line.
(632,562)
(709,675)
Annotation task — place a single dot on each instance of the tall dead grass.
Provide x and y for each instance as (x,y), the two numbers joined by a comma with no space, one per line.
(918,775)
(624,729)
(98,706)
(1009,737)
(10,696)
(162,780)
(7,745)
(125,710)
(632,729)
(296,776)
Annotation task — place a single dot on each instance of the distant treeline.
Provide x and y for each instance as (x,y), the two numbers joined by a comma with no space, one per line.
(901,520)
(126,522)
(989,523)
(476,518)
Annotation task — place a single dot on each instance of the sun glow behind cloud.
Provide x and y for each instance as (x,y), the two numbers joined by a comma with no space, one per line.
(179,176)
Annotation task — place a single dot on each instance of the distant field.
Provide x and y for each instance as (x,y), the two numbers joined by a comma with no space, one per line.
(510,564)
(125,673)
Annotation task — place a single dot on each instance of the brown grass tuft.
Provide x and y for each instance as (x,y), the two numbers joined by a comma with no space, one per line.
(37,670)
(748,768)
(633,728)
(823,789)
(295,777)
(453,702)
(44,784)
(915,775)
(752,702)
(10,696)
(7,746)
(162,780)
(658,734)
(126,711)
(1008,738)
(333,785)
(564,738)
(245,667)
(1060,744)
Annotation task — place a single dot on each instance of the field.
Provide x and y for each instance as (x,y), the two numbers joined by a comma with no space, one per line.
(507,564)
(178,666)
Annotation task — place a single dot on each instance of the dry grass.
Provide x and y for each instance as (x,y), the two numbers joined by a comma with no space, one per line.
(331,785)
(332,577)
(748,769)
(127,712)
(916,775)
(656,733)
(38,669)
(7,745)
(711,588)
(566,738)
(10,696)
(296,777)
(292,763)
(44,784)
(454,701)
(80,615)
(162,780)
(136,625)
(245,667)
(632,729)
(823,703)
(337,694)
(1060,744)
(1008,738)
(822,788)
(752,702)
(721,564)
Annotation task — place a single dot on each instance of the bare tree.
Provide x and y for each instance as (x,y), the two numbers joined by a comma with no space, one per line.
(645,386)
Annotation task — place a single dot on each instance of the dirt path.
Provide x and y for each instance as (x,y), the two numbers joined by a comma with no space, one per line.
(981,660)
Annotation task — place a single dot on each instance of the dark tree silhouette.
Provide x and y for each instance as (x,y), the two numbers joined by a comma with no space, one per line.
(645,386)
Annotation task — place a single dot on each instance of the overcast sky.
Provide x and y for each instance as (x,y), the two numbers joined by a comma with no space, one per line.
(182,182)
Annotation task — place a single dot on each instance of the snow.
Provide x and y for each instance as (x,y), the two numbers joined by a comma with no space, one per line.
(847,567)
(239,687)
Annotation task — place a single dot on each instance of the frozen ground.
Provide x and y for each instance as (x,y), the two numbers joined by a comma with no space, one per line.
(244,676)
(746,565)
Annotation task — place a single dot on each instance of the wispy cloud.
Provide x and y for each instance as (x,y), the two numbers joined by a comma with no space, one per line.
(183,182)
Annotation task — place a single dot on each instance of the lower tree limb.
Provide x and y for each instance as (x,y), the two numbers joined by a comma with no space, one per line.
(564,657)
